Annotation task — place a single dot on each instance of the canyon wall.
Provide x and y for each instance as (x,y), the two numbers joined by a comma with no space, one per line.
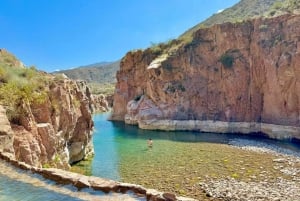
(54,133)
(243,72)
(100,103)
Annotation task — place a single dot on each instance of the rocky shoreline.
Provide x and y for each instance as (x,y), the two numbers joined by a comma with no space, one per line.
(286,187)
(271,130)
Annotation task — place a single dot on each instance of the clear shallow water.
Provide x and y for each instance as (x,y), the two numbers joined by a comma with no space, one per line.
(19,185)
(120,148)
(14,190)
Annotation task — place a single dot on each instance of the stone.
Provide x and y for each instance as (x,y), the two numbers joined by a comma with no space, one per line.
(82,182)
(169,196)
(279,160)
(6,133)
(100,103)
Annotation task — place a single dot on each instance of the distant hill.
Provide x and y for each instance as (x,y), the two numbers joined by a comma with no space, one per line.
(101,77)
(103,72)
(247,9)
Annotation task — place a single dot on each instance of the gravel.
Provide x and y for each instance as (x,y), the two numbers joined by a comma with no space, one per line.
(283,188)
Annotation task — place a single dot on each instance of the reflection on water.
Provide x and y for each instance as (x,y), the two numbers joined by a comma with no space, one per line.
(117,145)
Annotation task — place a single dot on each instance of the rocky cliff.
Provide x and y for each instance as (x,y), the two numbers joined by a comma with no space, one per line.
(45,120)
(100,103)
(234,72)
(57,132)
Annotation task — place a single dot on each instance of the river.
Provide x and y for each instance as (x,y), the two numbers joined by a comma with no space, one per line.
(178,161)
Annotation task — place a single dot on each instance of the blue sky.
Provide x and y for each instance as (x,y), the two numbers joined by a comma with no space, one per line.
(60,34)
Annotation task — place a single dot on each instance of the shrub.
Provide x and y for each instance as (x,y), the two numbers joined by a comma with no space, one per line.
(227,60)
(263,27)
(156,48)
(20,87)
(174,86)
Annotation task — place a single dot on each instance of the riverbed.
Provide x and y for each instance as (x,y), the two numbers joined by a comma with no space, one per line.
(194,164)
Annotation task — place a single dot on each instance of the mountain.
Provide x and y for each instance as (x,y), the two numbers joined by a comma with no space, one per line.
(101,77)
(231,77)
(103,72)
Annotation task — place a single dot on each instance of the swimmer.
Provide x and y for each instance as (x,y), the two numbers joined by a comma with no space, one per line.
(150,142)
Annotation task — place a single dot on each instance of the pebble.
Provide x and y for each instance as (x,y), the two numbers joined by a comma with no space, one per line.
(279,160)
(275,189)
(242,191)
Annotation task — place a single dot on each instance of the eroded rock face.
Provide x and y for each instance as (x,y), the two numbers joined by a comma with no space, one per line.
(245,72)
(6,133)
(132,80)
(110,100)
(57,132)
(100,103)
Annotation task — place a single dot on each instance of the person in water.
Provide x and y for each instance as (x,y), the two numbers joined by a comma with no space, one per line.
(150,142)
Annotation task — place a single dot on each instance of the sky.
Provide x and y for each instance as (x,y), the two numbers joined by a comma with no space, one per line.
(62,34)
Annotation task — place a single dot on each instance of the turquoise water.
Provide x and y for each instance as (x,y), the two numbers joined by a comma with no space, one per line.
(120,148)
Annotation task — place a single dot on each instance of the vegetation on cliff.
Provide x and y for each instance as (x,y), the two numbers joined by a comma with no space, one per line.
(19,86)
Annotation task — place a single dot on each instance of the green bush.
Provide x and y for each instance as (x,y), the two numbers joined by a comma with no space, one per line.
(156,48)
(227,60)
(20,87)
(98,88)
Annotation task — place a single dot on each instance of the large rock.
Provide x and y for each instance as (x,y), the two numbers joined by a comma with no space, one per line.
(55,133)
(244,72)
(49,124)
(6,133)
(100,103)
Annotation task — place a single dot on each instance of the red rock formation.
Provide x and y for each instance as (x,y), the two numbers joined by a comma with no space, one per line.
(57,132)
(132,80)
(100,103)
(53,128)
(110,100)
(244,72)
(6,133)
